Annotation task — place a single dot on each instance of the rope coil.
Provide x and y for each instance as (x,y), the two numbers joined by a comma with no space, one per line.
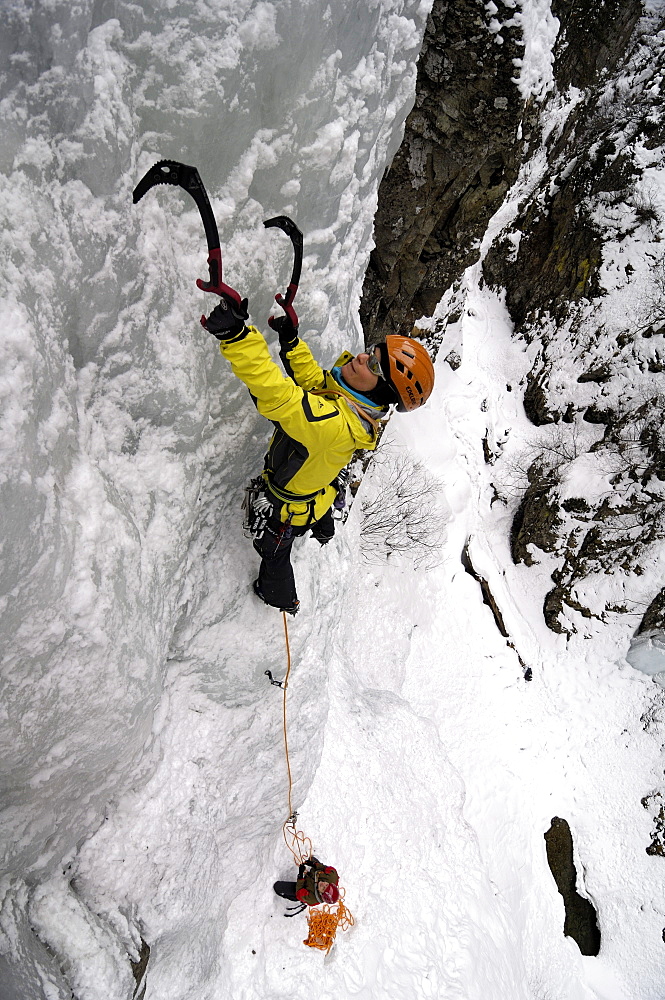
(322,925)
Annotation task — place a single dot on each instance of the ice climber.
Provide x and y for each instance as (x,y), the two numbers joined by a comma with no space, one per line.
(321,418)
(316,884)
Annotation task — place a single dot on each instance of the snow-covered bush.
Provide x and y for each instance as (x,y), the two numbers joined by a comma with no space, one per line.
(651,318)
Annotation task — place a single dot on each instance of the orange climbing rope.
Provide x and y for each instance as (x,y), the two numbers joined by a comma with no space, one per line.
(299,845)
(322,923)
(284,687)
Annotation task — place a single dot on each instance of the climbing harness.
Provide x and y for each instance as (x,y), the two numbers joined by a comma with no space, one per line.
(258,508)
(322,922)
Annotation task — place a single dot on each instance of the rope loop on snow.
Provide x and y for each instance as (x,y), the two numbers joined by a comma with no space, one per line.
(323,923)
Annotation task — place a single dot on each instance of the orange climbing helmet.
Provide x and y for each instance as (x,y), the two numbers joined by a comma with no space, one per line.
(407,367)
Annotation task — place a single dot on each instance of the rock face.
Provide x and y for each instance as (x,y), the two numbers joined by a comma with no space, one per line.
(459,156)
(654,616)
(463,144)
(575,161)
(655,806)
(560,247)
(581,921)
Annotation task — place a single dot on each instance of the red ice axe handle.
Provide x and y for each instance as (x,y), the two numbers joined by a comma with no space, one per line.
(286,304)
(216,284)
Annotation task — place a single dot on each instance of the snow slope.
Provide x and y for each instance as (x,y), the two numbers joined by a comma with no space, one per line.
(144,783)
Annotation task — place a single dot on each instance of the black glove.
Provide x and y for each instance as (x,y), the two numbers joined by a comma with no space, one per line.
(286,331)
(227,320)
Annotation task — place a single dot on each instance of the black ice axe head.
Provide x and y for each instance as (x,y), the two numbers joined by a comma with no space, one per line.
(188,178)
(289,227)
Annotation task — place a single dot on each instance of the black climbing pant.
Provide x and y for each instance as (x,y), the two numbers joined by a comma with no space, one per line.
(324,529)
(276,581)
(287,890)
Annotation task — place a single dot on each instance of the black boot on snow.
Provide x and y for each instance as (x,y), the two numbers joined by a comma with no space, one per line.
(293,610)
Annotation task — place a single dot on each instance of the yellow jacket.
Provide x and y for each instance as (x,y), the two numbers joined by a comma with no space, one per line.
(315,436)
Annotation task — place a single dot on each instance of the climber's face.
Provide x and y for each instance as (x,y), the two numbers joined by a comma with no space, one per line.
(356,374)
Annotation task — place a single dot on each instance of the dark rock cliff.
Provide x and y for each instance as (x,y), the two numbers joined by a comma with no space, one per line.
(463,144)
(459,156)
(587,143)
(560,248)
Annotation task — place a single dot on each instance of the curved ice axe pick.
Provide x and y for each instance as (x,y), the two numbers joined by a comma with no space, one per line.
(179,174)
(289,227)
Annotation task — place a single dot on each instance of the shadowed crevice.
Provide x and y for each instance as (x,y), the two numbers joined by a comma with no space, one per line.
(581,923)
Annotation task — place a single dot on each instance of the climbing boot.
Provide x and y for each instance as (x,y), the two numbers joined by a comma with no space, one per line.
(293,610)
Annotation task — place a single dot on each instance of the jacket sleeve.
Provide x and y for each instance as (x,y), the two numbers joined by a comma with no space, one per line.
(311,420)
(299,363)
(251,362)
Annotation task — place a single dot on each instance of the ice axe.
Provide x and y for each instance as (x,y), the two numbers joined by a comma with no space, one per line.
(289,227)
(180,175)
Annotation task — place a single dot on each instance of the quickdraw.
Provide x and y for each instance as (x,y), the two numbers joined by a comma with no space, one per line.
(341,483)
(257,508)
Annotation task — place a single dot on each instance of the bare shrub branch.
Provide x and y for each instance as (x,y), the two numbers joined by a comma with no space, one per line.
(404,514)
